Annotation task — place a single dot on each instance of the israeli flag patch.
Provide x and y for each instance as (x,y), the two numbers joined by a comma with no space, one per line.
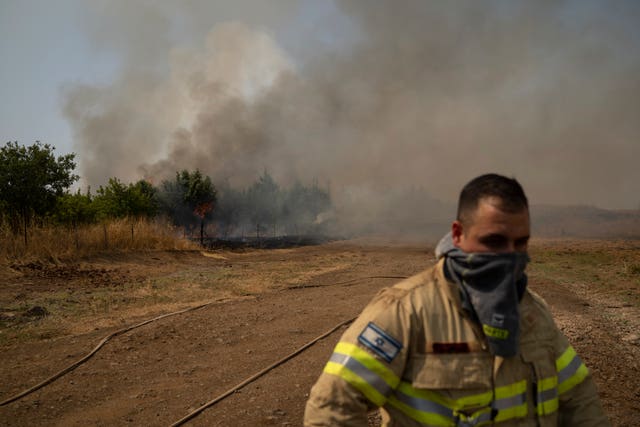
(380,342)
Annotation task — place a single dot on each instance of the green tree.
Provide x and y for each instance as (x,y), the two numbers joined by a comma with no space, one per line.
(117,200)
(189,199)
(143,201)
(74,209)
(112,201)
(31,179)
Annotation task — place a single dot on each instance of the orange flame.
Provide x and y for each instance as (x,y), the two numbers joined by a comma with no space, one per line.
(203,209)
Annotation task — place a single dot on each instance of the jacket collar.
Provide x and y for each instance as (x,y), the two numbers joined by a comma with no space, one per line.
(449,288)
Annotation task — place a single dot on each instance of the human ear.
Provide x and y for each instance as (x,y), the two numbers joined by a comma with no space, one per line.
(456,232)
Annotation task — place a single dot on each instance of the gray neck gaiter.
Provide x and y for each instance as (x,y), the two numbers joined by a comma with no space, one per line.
(491,287)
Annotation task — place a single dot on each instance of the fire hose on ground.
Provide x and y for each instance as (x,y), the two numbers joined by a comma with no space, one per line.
(94,351)
(223,395)
(259,374)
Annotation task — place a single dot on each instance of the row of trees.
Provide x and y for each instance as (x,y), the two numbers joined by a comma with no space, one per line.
(34,186)
(265,208)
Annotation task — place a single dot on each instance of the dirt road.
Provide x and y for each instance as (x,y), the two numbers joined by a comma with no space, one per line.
(275,302)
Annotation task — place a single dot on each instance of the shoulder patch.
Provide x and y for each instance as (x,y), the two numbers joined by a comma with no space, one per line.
(381,343)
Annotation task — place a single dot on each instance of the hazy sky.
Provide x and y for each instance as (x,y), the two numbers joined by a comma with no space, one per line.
(371,96)
(42,48)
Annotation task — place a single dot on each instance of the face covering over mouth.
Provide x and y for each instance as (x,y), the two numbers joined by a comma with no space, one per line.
(491,287)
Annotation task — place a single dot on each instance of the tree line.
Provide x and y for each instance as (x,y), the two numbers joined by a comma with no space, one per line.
(35,189)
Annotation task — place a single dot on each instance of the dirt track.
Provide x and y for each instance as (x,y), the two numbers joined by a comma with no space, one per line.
(156,374)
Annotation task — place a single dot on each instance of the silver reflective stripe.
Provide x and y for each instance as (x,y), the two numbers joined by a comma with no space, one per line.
(482,418)
(424,405)
(570,369)
(550,394)
(510,402)
(362,371)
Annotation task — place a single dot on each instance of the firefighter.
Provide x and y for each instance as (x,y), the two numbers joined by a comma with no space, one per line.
(463,343)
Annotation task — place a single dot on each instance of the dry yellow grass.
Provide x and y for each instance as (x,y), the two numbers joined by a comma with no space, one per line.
(61,243)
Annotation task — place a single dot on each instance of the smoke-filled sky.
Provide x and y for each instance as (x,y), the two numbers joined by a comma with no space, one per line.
(371,96)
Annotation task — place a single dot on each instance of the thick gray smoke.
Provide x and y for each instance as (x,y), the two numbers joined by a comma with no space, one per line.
(399,95)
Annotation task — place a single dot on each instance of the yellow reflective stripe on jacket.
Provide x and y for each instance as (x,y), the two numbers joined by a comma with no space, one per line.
(547,395)
(425,406)
(511,401)
(571,370)
(363,371)
(429,413)
(482,399)
(430,407)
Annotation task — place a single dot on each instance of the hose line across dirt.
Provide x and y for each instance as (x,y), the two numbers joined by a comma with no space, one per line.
(259,374)
(95,350)
(217,399)
(349,282)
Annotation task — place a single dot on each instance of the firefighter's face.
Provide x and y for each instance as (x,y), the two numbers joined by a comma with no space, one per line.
(491,229)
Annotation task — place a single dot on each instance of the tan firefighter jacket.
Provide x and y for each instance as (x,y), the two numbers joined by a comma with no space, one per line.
(416,354)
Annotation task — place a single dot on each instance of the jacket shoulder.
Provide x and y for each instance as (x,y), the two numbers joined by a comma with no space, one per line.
(538,304)
(409,286)
(538,323)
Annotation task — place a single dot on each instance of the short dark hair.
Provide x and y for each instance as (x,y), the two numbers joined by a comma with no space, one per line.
(508,190)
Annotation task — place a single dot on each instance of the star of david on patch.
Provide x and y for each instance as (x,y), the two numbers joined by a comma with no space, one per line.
(380,342)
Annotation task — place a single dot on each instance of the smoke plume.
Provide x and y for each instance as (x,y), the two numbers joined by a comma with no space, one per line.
(399,95)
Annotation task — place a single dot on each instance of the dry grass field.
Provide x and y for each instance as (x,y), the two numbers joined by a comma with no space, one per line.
(264,305)
(59,244)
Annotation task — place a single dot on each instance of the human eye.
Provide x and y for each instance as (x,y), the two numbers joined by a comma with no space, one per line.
(494,242)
